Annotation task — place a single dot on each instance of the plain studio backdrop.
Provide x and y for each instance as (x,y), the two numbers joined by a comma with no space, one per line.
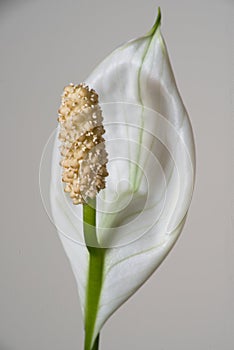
(188,304)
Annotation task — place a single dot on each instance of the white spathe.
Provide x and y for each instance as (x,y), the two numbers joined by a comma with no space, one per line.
(146,124)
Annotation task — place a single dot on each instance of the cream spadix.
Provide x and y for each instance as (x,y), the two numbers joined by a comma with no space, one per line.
(82,147)
(150,147)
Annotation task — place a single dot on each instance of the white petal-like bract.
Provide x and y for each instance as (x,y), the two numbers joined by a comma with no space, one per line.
(151,164)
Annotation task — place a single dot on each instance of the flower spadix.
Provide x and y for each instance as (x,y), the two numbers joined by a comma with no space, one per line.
(83,150)
(151,167)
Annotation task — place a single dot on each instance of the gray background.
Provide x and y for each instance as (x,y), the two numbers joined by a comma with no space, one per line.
(188,303)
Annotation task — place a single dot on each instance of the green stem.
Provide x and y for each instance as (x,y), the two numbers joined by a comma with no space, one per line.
(95,275)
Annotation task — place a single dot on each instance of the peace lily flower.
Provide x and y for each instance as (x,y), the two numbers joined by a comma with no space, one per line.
(128,121)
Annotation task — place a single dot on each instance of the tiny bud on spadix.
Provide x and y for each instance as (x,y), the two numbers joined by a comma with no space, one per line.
(83,152)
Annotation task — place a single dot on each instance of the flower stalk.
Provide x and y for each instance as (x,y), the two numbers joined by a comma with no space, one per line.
(95,275)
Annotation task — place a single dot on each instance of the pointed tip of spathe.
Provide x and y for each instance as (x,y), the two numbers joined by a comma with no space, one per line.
(157,23)
(159,13)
